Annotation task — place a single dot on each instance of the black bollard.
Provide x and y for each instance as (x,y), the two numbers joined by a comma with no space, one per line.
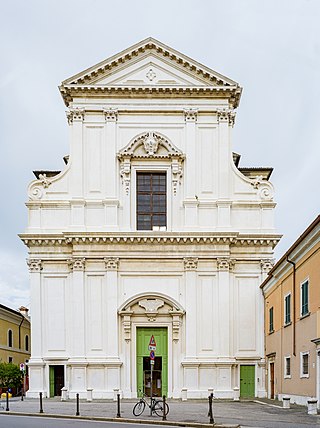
(41,408)
(7,399)
(164,415)
(118,406)
(22,394)
(210,413)
(77,412)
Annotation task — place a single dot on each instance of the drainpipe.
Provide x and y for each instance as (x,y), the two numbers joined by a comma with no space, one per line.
(294,306)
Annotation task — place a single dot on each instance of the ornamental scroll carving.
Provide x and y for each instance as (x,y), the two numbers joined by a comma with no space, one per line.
(264,188)
(147,146)
(36,190)
(35,265)
(225,264)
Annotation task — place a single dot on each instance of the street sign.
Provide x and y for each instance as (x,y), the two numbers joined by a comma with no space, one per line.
(152,344)
(152,356)
(152,362)
(22,367)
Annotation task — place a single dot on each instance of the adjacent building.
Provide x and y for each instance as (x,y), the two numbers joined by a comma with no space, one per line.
(15,343)
(292,320)
(152,229)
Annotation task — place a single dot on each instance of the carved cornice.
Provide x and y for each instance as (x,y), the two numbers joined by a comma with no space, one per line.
(77,264)
(190,263)
(75,115)
(225,264)
(111,263)
(165,238)
(190,114)
(35,265)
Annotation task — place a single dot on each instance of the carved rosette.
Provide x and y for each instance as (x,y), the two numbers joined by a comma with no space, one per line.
(77,264)
(190,114)
(226,116)
(75,115)
(111,115)
(111,263)
(190,263)
(266,265)
(35,265)
(225,264)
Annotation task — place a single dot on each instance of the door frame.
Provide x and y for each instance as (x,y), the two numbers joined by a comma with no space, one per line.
(254,378)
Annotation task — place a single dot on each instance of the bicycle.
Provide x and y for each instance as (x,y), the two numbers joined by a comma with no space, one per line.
(156,406)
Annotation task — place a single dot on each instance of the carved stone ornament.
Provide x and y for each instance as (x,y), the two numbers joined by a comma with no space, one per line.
(151,75)
(225,264)
(190,263)
(151,306)
(264,188)
(44,180)
(226,115)
(266,265)
(111,114)
(35,265)
(77,264)
(190,114)
(111,263)
(76,114)
(151,145)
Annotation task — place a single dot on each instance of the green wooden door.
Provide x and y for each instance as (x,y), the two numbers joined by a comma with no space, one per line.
(51,380)
(247,381)
(161,337)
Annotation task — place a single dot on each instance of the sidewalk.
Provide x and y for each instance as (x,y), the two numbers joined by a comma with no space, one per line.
(190,413)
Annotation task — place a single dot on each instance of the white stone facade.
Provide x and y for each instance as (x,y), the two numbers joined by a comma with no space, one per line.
(95,278)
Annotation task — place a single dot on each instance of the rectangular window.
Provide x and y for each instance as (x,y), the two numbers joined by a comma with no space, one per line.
(151,201)
(287,367)
(304,364)
(304,298)
(271,320)
(287,309)
(10,360)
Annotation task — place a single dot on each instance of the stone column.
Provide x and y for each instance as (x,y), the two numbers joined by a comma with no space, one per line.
(224,266)
(78,349)
(191,198)
(225,119)
(75,119)
(111,266)
(35,267)
(190,267)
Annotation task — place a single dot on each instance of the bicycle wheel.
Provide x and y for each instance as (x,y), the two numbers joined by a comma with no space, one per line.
(158,408)
(139,408)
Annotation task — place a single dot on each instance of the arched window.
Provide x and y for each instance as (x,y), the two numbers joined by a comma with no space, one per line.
(10,338)
(26,343)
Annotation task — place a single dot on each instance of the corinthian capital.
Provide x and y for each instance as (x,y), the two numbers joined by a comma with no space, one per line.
(77,264)
(225,264)
(75,114)
(266,265)
(111,263)
(227,116)
(111,114)
(190,114)
(35,265)
(190,263)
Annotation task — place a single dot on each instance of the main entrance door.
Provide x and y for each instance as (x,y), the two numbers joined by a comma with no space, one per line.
(247,378)
(56,379)
(272,381)
(160,368)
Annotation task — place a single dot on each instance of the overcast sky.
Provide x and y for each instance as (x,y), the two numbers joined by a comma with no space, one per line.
(272,48)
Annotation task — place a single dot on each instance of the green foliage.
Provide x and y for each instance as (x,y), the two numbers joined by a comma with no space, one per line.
(10,375)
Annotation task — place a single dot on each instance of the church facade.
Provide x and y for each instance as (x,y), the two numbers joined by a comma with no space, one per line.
(152,229)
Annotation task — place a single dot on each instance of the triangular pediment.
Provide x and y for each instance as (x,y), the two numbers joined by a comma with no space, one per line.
(149,64)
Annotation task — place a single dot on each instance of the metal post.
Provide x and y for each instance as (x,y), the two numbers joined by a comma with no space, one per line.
(164,415)
(41,408)
(151,407)
(118,406)
(7,399)
(210,413)
(22,388)
(77,412)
